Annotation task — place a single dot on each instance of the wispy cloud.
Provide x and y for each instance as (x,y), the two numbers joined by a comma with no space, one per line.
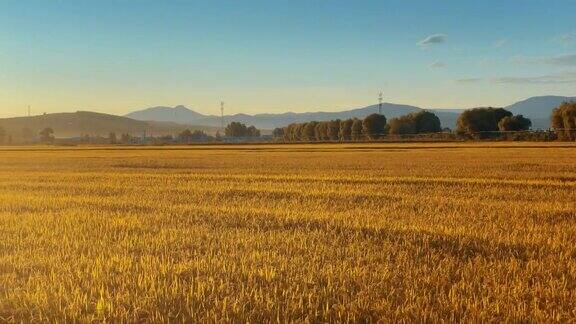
(561,78)
(501,43)
(469,80)
(432,40)
(562,60)
(568,59)
(566,39)
(438,65)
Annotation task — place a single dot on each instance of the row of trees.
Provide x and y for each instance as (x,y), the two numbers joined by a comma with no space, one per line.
(46,135)
(479,123)
(372,127)
(233,130)
(483,121)
(237,129)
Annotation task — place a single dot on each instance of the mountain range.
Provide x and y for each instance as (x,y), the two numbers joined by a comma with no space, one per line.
(538,109)
(160,121)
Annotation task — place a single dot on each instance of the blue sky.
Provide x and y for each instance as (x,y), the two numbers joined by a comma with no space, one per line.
(276,56)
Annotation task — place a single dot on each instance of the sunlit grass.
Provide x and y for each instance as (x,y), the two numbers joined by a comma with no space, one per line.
(294,232)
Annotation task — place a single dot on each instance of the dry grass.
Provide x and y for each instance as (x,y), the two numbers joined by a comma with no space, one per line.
(389,232)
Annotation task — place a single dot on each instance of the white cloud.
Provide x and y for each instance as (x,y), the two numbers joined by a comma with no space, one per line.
(432,40)
(438,65)
(501,43)
(469,80)
(568,59)
(566,38)
(563,60)
(561,78)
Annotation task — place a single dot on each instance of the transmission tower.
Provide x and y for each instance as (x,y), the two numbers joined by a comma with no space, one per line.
(222,115)
(380,99)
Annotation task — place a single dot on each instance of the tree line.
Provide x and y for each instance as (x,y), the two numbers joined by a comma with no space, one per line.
(233,130)
(478,123)
(376,126)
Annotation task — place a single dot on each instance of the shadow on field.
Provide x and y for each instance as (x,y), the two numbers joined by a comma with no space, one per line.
(422,242)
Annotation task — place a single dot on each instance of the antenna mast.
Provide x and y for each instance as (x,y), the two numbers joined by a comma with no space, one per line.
(380,98)
(222,115)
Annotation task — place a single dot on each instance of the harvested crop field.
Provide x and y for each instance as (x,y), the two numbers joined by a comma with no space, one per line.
(319,233)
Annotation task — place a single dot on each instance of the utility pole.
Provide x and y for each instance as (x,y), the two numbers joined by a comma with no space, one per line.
(380,99)
(29,111)
(222,115)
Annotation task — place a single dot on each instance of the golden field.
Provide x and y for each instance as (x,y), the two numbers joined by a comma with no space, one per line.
(317,233)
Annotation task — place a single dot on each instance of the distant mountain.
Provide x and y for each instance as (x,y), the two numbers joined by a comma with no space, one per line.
(270,121)
(178,114)
(538,109)
(94,124)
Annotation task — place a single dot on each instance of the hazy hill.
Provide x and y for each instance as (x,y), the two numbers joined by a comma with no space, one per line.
(538,109)
(178,114)
(83,122)
(270,121)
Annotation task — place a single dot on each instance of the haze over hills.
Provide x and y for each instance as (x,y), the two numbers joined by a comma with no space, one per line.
(178,114)
(160,121)
(270,121)
(538,109)
(93,124)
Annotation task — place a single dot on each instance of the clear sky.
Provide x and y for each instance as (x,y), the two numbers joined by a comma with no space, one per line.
(116,56)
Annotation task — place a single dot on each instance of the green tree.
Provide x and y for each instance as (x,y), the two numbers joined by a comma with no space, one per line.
(356,130)
(185,136)
(236,129)
(374,126)
(322,131)
(333,130)
(514,123)
(278,132)
(126,138)
(252,131)
(426,122)
(345,133)
(47,135)
(479,120)
(420,122)
(402,125)
(309,131)
(112,138)
(564,121)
